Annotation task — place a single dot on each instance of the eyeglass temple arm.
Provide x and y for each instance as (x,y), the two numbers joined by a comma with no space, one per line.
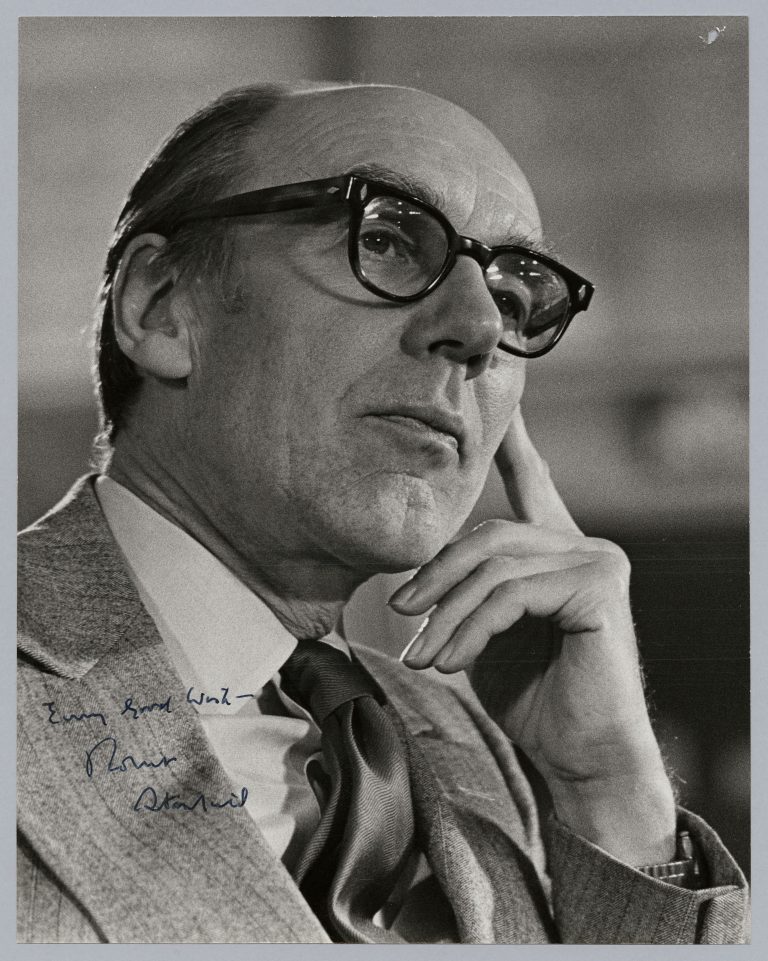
(313,193)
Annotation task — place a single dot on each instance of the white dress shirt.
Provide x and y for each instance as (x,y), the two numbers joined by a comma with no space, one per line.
(227,646)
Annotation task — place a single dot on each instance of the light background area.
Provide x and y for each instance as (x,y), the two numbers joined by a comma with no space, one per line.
(633,134)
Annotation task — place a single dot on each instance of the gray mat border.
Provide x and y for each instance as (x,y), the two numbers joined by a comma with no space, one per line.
(758,26)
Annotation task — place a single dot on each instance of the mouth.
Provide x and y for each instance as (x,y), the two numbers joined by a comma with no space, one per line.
(426,425)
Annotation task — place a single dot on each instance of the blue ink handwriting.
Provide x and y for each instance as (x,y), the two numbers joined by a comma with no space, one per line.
(136,710)
(223,698)
(203,698)
(208,698)
(148,801)
(127,762)
(66,718)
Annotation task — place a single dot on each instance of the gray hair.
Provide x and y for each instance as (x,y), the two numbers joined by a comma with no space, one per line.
(194,165)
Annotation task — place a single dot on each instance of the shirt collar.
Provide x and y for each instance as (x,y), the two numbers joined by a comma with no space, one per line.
(219,634)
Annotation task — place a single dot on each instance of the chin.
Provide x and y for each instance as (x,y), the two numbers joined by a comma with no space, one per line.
(394,558)
(404,525)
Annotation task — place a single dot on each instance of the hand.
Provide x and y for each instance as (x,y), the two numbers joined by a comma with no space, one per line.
(577,708)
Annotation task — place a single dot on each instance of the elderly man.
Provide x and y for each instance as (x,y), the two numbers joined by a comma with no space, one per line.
(317,310)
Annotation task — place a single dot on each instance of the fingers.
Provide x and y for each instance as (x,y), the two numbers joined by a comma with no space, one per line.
(492,538)
(541,595)
(459,605)
(500,610)
(531,492)
(583,594)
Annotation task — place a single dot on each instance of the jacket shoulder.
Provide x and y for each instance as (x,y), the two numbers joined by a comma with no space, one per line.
(75,597)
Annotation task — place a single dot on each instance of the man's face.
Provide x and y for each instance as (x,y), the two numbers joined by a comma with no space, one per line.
(308,408)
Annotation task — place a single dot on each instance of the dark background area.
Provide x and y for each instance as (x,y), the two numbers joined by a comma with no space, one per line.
(633,134)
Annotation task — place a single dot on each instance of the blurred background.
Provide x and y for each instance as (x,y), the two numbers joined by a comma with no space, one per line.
(633,134)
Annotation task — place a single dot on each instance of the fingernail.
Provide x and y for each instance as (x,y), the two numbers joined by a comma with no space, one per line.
(403,594)
(444,658)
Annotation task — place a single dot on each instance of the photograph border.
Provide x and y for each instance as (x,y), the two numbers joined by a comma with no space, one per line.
(758,30)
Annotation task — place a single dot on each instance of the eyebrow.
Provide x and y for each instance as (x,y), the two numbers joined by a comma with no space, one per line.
(427,194)
(409,185)
(537,245)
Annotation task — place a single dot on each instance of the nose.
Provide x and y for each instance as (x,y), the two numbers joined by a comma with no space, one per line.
(458,321)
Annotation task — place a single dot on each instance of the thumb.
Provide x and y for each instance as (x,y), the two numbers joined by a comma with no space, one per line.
(531,492)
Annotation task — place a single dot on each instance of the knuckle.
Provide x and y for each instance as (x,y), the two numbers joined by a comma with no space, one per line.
(625,565)
(620,562)
(441,561)
(610,550)
(605,546)
(614,570)
(492,537)
(494,528)
(473,623)
(505,606)
(506,592)
(496,566)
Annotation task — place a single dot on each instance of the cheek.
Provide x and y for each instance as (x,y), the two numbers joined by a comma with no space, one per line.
(239,391)
(497,397)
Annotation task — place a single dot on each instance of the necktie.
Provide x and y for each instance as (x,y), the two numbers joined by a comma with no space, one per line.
(366,832)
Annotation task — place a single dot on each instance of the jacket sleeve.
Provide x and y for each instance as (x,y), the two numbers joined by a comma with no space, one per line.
(599,900)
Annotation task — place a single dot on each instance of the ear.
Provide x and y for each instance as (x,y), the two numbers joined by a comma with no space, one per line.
(151,326)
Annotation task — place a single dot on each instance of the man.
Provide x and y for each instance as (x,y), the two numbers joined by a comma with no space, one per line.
(317,311)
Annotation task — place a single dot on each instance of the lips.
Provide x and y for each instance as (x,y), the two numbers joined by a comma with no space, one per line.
(436,423)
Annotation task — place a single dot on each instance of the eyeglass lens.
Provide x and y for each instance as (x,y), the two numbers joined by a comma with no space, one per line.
(402,248)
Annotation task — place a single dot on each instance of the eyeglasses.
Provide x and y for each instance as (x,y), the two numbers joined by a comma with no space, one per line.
(402,248)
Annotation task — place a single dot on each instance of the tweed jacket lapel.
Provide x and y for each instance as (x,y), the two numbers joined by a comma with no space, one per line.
(114,751)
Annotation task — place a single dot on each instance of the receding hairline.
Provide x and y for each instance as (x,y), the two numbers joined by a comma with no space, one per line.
(415,102)
(321,90)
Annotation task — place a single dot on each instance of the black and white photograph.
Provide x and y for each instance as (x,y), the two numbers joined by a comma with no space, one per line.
(383,480)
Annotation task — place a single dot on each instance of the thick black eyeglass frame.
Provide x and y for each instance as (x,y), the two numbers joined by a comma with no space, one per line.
(358,192)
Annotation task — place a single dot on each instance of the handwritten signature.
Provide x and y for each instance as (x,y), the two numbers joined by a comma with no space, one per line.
(148,800)
(109,744)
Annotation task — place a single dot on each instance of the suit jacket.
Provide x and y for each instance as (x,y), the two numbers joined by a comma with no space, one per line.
(108,853)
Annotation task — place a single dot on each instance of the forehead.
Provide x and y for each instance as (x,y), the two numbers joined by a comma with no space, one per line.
(424,138)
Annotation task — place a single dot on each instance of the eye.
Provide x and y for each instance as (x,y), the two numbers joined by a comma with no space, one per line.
(383,242)
(376,243)
(509,306)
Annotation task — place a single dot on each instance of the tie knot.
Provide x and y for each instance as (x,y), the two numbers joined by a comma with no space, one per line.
(321,678)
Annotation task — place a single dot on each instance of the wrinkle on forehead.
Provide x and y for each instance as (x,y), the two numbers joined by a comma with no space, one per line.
(329,132)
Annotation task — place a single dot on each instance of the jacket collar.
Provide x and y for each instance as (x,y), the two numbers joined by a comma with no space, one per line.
(69,629)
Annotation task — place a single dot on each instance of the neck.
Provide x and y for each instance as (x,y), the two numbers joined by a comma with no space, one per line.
(306,591)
